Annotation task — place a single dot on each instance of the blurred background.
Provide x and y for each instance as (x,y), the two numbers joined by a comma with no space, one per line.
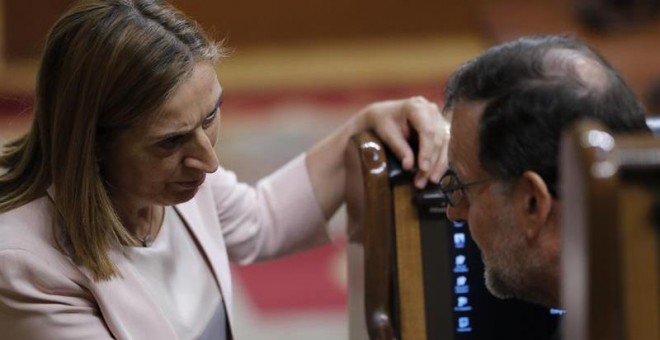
(300,68)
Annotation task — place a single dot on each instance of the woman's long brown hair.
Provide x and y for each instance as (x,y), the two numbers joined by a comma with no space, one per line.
(107,65)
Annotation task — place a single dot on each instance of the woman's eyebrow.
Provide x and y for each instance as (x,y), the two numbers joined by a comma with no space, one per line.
(182,132)
(218,103)
(221,99)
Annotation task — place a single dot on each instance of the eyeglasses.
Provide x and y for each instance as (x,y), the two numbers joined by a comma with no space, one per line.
(453,189)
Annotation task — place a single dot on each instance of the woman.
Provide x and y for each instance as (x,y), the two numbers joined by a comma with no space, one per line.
(116,220)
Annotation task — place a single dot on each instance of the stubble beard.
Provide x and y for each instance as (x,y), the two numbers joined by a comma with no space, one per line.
(505,268)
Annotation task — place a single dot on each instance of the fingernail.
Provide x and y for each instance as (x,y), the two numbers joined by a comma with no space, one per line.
(425,165)
(407,163)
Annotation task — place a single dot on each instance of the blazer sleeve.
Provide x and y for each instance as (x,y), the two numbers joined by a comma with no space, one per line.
(278,216)
(38,301)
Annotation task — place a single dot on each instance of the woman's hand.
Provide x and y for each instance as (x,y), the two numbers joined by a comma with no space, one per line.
(394,122)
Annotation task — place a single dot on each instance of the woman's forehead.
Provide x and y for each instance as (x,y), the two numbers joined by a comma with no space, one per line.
(200,89)
(193,100)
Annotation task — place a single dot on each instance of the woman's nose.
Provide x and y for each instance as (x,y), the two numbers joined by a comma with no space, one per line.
(203,156)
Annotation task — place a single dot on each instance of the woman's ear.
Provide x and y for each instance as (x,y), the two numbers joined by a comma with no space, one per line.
(533,202)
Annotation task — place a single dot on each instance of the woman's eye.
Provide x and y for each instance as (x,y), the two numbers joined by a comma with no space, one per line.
(209,120)
(170,143)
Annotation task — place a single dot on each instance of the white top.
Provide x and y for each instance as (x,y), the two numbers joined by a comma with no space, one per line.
(179,280)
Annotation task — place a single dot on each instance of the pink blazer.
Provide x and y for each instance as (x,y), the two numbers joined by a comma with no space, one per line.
(44,295)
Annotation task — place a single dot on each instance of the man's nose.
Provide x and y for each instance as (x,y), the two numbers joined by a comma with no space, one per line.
(456,214)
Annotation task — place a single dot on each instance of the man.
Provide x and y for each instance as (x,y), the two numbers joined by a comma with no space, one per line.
(508,107)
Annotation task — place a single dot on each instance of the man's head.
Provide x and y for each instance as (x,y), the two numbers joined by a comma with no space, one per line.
(508,107)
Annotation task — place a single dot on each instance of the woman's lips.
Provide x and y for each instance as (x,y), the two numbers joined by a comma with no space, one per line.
(192,184)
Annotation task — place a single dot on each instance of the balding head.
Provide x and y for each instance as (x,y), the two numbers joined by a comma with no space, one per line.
(566,65)
(532,88)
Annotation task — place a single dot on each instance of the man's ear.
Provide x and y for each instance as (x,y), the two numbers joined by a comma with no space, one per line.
(533,202)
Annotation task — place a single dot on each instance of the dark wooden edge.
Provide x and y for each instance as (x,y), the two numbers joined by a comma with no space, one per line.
(369,204)
(589,233)
(609,186)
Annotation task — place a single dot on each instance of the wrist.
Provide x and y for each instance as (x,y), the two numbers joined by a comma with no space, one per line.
(359,122)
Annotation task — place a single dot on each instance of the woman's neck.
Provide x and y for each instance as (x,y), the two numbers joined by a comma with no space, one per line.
(143,221)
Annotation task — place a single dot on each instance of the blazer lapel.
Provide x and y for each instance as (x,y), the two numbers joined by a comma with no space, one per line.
(127,308)
(125,305)
(212,247)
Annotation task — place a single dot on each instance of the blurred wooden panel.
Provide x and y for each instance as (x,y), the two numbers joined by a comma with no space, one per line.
(634,50)
(26,23)
(264,21)
(247,22)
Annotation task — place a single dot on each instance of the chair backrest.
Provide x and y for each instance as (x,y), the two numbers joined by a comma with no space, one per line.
(413,274)
(387,269)
(368,206)
(611,211)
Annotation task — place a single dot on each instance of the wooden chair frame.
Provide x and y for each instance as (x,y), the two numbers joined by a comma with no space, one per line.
(376,226)
(610,259)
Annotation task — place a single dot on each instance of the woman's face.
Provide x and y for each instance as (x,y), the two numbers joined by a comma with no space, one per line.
(164,160)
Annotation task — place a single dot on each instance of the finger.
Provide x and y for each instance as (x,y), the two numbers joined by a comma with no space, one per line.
(394,137)
(422,116)
(437,170)
(440,166)
(421,179)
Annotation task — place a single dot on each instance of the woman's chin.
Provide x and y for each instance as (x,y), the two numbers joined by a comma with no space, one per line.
(181,196)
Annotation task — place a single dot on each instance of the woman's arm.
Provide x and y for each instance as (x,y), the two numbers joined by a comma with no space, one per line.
(287,210)
(39,302)
(393,121)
